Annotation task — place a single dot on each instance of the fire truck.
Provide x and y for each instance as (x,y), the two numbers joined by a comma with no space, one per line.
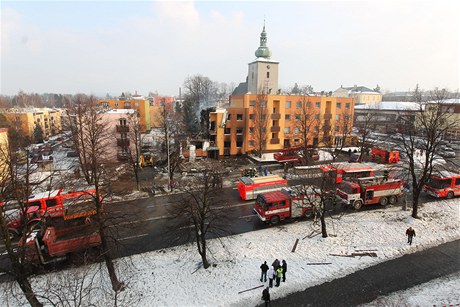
(273,207)
(59,208)
(370,190)
(340,171)
(443,184)
(294,155)
(384,156)
(52,244)
(249,188)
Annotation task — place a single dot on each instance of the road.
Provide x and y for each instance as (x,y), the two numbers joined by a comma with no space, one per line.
(366,285)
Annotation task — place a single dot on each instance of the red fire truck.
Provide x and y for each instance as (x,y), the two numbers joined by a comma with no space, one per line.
(342,170)
(443,184)
(276,206)
(54,245)
(249,188)
(294,155)
(385,156)
(370,190)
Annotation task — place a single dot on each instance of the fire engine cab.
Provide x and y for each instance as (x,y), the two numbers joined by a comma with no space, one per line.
(370,190)
(444,184)
(272,207)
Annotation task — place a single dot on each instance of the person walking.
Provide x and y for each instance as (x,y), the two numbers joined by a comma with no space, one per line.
(266,296)
(279,274)
(284,267)
(264,269)
(410,233)
(271,275)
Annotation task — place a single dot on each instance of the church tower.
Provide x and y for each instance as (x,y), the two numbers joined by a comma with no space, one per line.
(263,72)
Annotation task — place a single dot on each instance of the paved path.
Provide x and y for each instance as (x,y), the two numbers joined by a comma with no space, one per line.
(382,279)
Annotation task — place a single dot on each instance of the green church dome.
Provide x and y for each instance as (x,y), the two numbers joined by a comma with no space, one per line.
(263,51)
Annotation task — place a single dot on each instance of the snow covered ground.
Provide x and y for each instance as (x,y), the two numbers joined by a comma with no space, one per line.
(174,277)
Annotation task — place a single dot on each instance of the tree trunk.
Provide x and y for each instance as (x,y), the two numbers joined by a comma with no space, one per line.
(415,204)
(116,284)
(26,288)
(323,225)
(203,252)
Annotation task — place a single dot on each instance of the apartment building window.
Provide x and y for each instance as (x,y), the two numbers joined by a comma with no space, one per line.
(337,117)
(347,105)
(338,105)
(239,130)
(316,116)
(346,117)
(152,103)
(18,119)
(105,104)
(318,105)
(264,116)
(263,104)
(251,143)
(288,104)
(251,116)
(296,141)
(239,116)
(252,103)
(251,130)
(122,121)
(296,130)
(308,104)
(307,116)
(268,75)
(316,128)
(136,104)
(297,116)
(227,131)
(298,104)
(287,117)
(229,116)
(116,104)
(227,144)
(287,130)
(264,129)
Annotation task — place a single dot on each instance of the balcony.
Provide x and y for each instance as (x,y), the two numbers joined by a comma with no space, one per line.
(122,129)
(276,116)
(275,129)
(213,132)
(274,141)
(122,156)
(122,142)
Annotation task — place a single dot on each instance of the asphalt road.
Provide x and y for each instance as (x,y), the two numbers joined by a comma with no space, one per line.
(366,285)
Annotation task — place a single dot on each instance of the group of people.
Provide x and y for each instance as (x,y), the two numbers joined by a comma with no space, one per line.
(276,272)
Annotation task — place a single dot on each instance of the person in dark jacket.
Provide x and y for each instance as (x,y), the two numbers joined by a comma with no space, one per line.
(264,269)
(266,296)
(276,264)
(410,233)
(284,267)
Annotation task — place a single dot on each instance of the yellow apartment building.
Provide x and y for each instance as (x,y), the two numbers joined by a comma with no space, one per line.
(361,94)
(4,153)
(233,130)
(25,120)
(137,102)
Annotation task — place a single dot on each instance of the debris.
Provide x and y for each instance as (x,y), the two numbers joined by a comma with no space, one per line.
(251,289)
(319,263)
(295,245)
(370,254)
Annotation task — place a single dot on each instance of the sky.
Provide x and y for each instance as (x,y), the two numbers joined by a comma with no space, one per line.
(100,47)
(173,276)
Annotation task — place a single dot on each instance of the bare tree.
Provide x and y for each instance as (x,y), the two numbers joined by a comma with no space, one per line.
(200,213)
(364,124)
(91,141)
(305,119)
(15,187)
(171,125)
(260,123)
(434,119)
(340,135)
(134,146)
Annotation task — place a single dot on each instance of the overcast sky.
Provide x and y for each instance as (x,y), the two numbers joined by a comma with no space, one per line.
(99,47)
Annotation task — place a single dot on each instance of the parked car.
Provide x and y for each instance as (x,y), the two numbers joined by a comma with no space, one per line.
(72,154)
(447,154)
